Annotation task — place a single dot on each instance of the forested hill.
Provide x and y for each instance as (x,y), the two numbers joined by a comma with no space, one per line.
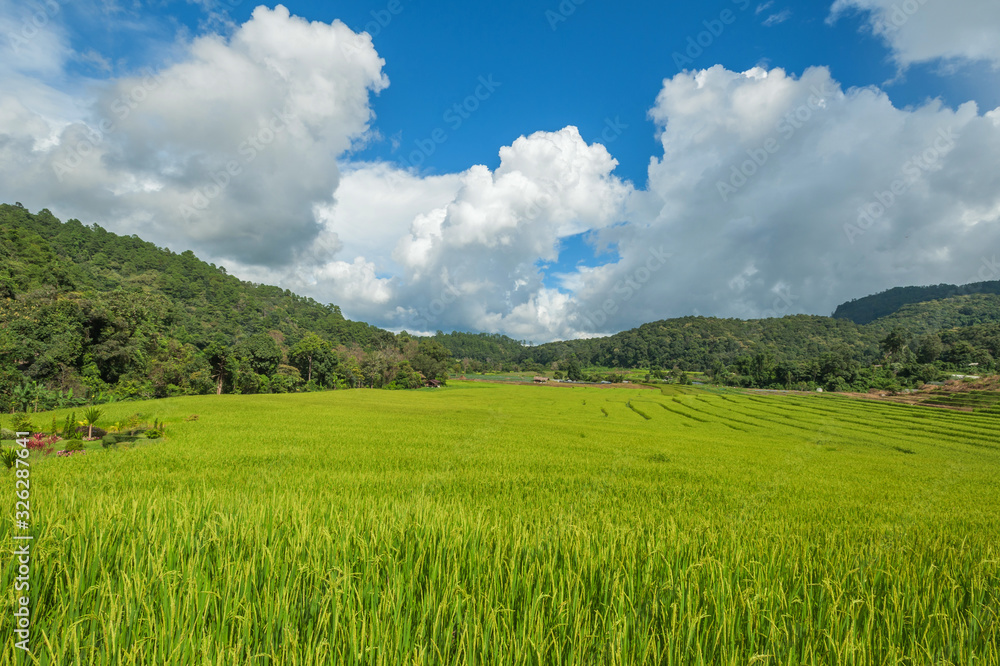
(117,317)
(193,300)
(955,331)
(868,309)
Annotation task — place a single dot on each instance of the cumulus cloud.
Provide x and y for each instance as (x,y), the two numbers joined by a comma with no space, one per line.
(926,30)
(471,260)
(772,194)
(777,195)
(231,148)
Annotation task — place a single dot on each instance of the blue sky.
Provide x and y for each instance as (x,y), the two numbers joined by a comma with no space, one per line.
(618,111)
(599,66)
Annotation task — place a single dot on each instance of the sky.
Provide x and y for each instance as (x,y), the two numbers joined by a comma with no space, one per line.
(542,169)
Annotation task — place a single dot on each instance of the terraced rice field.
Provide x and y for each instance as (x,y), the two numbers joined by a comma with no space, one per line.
(495,524)
(988,401)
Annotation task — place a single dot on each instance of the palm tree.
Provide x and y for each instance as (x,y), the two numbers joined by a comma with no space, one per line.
(90,418)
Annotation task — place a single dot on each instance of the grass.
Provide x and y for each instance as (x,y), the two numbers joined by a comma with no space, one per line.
(484,523)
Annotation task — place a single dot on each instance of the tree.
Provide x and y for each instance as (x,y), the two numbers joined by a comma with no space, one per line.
(929,348)
(221,361)
(308,348)
(573,371)
(90,418)
(432,359)
(894,342)
(261,352)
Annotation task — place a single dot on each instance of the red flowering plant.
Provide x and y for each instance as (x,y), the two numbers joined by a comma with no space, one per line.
(42,442)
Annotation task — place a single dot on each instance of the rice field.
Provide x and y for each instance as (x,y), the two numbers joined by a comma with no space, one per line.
(502,524)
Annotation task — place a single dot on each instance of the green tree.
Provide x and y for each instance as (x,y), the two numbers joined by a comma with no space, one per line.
(220,358)
(929,348)
(432,359)
(894,342)
(306,349)
(261,353)
(90,419)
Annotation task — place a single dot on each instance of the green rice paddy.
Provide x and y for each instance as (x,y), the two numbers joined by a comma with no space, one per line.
(502,524)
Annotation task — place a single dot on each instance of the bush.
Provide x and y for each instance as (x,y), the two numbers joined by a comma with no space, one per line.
(7,434)
(42,442)
(22,423)
(99,433)
(74,445)
(8,456)
(112,439)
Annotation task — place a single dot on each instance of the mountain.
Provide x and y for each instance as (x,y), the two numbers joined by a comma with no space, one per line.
(868,309)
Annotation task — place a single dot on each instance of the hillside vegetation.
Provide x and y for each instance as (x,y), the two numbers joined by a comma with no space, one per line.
(869,308)
(919,342)
(110,316)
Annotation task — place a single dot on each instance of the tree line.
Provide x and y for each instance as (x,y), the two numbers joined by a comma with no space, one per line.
(91,316)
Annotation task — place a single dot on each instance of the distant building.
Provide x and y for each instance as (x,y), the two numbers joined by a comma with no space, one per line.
(541,380)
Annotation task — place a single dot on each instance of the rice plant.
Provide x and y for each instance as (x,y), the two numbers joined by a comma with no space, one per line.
(475,524)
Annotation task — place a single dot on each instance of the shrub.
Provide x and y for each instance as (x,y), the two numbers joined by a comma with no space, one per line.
(8,456)
(42,442)
(7,434)
(109,441)
(74,445)
(98,433)
(22,423)
(69,426)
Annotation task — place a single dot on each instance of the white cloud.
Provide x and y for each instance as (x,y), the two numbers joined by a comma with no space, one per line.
(230,149)
(928,30)
(754,207)
(467,256)
(779,17)
(759,192)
